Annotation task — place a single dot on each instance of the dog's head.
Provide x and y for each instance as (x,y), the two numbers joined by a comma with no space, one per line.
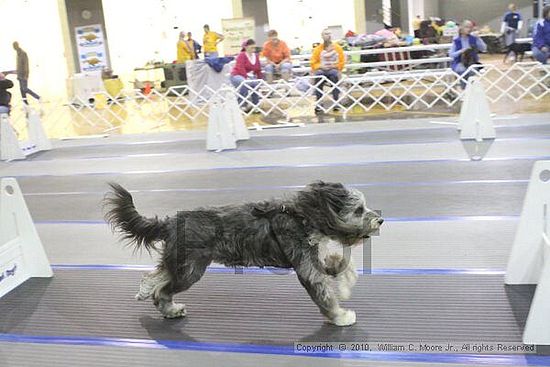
(338,212)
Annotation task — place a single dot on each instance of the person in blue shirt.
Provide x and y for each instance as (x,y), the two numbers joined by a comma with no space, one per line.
(541,37)
(465,49)
(511,25)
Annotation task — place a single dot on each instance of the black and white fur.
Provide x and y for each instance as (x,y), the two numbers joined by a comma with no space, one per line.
(288,233)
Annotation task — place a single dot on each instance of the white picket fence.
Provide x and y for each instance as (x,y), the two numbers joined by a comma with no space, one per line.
(359,94)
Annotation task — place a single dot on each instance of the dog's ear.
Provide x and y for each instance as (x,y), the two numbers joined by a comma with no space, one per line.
(330,196)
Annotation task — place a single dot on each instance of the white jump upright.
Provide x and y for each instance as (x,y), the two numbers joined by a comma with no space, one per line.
(9,145)
(475,116)
(37,134)
(21,253)
(38,140)
(225,124)
(529,261)
(12,149)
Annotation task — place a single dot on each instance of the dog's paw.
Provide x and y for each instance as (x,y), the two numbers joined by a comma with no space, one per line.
(344,318)
(141,297)
(174,311)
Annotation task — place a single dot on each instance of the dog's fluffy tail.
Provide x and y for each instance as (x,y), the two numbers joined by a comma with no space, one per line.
(123,217)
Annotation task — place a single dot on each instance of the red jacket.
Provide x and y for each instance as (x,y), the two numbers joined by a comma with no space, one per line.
(243,66)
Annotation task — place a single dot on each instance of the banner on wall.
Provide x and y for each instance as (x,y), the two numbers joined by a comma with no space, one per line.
(236,31)
(90,44)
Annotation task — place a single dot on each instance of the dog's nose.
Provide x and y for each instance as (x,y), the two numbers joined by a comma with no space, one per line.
(380,221)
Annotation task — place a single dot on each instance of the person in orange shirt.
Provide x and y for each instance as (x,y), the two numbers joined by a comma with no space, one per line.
(278,57)
(327,60)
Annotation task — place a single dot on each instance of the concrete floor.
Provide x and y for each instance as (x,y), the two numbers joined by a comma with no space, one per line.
(443,210)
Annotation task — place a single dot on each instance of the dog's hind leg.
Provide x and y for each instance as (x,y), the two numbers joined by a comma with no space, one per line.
(318,285)
(150,281)
(164,302)
(188,274)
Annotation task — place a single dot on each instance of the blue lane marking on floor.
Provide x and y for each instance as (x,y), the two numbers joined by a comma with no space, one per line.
(282,271)
(387,219)
(292,187)
(468,359)
(274,167)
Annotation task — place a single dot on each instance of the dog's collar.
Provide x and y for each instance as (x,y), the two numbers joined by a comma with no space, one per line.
(260,212)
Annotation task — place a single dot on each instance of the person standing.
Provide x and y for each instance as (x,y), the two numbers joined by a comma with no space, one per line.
(541,37)
(186,50)
(511,26)
(210,42)
(23,73)
(196,46)
(327,60)
(277,54)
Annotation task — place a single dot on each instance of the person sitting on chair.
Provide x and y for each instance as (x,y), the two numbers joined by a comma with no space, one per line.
(541,37)
(246,75)
(277,54)
(327,60)
(465,50)
(5,96)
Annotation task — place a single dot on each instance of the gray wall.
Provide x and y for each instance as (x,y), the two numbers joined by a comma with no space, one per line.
(257,9)
(490,12)
(74,16)
(431,8)
(373,15)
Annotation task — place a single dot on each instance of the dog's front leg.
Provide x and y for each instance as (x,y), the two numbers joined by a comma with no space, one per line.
(318,287)
(343,272)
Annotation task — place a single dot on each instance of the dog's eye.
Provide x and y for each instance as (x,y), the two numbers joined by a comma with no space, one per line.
(359,211)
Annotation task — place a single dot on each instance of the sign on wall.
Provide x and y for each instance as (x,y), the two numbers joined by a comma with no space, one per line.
(236,31)
(90,44)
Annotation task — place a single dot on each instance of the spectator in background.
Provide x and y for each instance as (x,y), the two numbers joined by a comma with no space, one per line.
(246,74)
(465,49)
(427,33)
(541,37)
(186,50)
(416,26)
(23,73)
(511,25)
(327,60)
(210,42)
(277,54)
(438,25)
(5,96)
(196,46)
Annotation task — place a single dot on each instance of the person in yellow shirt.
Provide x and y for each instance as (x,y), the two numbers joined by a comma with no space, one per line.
(327,60)
(186,50)
(210,42)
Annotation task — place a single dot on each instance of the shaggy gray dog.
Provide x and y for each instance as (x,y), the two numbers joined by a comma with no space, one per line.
(289,233)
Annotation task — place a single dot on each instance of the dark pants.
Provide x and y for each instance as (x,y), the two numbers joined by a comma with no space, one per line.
(24,86)
(331,75)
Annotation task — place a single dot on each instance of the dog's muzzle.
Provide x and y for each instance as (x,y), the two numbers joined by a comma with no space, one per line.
(374,226)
